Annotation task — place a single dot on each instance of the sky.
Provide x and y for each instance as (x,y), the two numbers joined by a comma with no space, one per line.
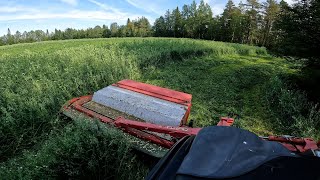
(26,15)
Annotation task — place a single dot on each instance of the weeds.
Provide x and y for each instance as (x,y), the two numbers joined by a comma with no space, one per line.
(80,150)
(292,113)
(36,79)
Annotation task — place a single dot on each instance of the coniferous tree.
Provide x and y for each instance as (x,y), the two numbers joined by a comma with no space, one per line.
(185,15)
(226,21)
(204,18)
(299,29)
(271,10)
(252,13)
(176,22)
(9,38)
(168,23)
(159,27)
(193,19)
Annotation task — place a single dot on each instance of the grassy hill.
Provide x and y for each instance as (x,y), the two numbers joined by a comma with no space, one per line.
(36,79)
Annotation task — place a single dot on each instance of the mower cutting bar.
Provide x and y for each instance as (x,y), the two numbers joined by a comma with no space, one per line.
(134,128)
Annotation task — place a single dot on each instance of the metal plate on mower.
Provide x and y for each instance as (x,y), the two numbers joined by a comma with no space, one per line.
(147,108)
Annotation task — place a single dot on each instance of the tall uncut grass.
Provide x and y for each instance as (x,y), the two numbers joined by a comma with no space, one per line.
(34,84)
(37,79)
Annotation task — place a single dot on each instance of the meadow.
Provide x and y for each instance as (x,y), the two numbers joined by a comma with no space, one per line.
(38,78)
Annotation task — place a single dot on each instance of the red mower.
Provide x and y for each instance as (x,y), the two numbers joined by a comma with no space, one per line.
(158,118)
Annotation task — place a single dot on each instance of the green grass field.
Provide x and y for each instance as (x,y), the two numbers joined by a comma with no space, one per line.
(36,79)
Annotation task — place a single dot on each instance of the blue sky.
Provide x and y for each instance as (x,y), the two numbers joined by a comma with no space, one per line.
(26,15)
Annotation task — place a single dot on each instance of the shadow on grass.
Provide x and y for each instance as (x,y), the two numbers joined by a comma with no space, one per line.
(308,80)
(219,85)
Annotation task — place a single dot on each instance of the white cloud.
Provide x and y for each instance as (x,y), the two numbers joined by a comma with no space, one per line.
(25,13)
(75,14)
(290,2)
(216,7)
(71,2)
(208,1)
(19,17)
(14,9)
(134,4)
(118,13)
(106,7)
(150,6)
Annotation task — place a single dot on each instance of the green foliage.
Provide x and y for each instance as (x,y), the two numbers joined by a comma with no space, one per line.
(286,30)
(220,85)
(37,79)
(80,150)
(35,85)
(292,112)
(242,24)
(300,28)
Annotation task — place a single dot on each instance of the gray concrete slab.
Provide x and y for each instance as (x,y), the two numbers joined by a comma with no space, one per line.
(150,109)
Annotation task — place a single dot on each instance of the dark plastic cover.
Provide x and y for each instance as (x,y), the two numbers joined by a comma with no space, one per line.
(226,152)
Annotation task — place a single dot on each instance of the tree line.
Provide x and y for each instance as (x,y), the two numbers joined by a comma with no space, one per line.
(136,28)
(288,30)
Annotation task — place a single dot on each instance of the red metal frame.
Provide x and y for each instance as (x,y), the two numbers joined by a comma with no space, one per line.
(77,103)
(159,92)
(141,129)
(294,143)
(225,121)
(176,132)
(155,91)
(134,128)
